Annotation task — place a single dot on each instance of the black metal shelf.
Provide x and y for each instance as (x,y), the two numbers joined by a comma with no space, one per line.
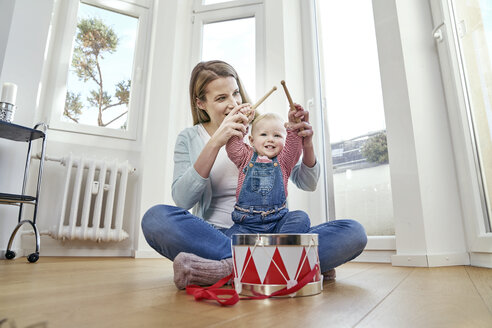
(21,133)
(16,132)
(15,199)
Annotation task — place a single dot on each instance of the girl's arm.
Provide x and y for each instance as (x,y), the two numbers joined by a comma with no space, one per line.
(305,175)
(239,152)
(308,157)
(292,151)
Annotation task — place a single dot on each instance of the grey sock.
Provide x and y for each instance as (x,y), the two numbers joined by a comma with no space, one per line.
(330,275)
(192,269)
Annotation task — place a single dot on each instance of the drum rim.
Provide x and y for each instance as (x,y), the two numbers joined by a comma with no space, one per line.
(271,239)
(311,288)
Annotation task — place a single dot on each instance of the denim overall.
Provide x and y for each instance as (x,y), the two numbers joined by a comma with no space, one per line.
(261,207)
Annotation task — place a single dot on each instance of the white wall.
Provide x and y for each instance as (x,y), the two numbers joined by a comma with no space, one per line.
(23,56)
(6,13)
(168,106)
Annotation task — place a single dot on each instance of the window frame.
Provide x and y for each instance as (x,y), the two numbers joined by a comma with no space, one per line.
(199,7)
(446,36)
(62,47)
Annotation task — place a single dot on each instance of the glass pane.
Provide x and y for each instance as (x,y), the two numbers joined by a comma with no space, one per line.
(99,79)
(233,41)
(355,114)
(474,21)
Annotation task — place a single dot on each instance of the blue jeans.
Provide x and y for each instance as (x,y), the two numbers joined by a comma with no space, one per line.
(284,221)
(171,230)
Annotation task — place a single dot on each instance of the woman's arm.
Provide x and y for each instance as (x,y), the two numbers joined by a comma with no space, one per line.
(190,178)
(188,185)
(234,124)
(305,177)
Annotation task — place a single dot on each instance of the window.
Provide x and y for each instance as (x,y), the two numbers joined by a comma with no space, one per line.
(355,114)
(234,42)
(99,85)
(232,33)
(99,78)
(473,21)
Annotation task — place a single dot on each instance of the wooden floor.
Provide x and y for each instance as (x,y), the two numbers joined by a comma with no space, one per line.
(125,292)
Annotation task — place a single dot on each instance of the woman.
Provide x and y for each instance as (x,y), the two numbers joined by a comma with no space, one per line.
(205,180)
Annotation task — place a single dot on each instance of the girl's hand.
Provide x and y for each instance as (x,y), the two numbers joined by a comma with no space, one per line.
(234,124)
(249,112)
(303,116)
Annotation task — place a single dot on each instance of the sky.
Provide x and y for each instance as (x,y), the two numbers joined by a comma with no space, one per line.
(352,82)
(234,42)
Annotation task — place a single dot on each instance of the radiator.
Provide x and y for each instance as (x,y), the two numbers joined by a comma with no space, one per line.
(93,200)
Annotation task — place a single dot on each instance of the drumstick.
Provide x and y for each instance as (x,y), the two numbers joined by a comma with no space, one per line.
(262,99)
(291,103)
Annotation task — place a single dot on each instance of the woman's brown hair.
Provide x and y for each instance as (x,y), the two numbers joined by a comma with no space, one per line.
(201,76)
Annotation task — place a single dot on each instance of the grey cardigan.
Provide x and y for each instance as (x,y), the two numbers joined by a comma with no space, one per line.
(190,189)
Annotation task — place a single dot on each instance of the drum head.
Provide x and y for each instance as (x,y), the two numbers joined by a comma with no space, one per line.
(299,239)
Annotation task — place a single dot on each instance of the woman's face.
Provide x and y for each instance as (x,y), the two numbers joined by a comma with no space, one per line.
(222,95)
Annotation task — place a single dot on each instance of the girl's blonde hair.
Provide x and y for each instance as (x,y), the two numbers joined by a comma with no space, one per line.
(201,76)
(270,116)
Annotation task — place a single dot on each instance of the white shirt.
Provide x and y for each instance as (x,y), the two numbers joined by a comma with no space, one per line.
(223,177)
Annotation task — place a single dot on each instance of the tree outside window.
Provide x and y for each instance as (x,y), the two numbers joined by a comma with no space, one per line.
(99,84)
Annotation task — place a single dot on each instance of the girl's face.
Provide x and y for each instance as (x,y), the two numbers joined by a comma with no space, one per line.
(222,95)
(268,137)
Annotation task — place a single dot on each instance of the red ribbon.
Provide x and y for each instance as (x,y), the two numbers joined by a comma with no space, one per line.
(215,292)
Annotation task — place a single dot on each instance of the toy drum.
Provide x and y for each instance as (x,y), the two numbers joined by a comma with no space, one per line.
(266,263)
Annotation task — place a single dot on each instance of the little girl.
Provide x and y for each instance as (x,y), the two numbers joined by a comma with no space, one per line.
(264,170)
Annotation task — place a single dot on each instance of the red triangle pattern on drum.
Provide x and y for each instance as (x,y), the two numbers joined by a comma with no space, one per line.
(274,276)
(303,267)
(250,274)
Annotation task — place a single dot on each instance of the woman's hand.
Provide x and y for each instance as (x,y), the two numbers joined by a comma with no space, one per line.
(249,112)
(234,124)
